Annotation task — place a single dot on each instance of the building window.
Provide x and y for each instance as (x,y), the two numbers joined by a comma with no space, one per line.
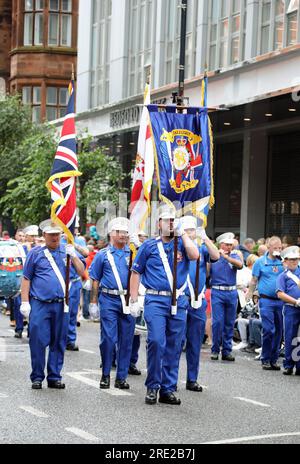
(100,57)
(278,21)
(32,96)
(227,31)
(60,23)
(34,22)
(56,102)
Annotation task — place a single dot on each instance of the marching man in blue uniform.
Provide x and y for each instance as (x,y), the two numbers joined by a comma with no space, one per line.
(224,297)
(288,290)
(264,275)
(196,315)
(43,293)
(109,274)
(165,323)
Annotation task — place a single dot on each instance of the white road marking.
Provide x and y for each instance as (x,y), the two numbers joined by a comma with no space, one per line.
(11,331)
(82,434)
(2,350)
(2,395)
(253,438)
(95,383)
(34,412)
(247,400)
(87,351)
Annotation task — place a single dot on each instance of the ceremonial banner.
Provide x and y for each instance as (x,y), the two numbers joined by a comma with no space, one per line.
(143,173)
(62,181)
(184,159)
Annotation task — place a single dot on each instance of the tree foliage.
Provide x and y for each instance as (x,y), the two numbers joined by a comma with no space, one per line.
(26,155)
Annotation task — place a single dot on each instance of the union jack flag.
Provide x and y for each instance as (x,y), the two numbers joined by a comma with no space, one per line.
(62,181)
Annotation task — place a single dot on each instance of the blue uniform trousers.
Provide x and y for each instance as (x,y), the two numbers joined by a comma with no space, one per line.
(291,333)
(272,323)
(164,339)
(74,300)
(195,331)
(135,350)
(48,326)
(18,316)
(116,329)
(224,305)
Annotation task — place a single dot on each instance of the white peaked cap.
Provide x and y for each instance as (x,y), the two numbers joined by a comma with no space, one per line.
(31,230)
(119,223)
(142,232)
(49,227)
(166,212)
(291,252)
(227,238)
(77,221)
(189,222)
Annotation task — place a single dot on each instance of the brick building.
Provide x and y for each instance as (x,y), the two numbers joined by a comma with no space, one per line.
(38,46)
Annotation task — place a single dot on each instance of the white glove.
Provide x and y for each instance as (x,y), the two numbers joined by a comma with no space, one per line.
(135,241)
(94,311)
(179,229)
(25,309)
(70,250)
(86,285)
(135,309)
(202,234)
(297,303)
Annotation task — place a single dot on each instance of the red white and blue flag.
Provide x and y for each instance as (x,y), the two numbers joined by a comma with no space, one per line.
(62,181)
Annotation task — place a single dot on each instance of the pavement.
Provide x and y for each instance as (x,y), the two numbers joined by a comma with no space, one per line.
(240,402)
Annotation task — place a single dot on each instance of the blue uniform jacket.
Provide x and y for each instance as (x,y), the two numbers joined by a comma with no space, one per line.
(148,263)
(101,270)
(223,273)
(204,259)
(285,284)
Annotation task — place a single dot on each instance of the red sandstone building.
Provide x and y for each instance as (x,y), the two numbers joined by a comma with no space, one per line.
(38,46)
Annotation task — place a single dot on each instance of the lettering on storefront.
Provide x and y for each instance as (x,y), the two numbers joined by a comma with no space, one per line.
(131,115)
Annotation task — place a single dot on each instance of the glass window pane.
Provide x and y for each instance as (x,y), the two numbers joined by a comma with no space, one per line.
(36,95)
(215,11)
(279,7)
(51,113)
(66,30)
(265,39)
(36,114)
(39,4)
(213,33)
(39,29)
(54,5)
(236,6)
(212,57)
(63,97)
(278,35)
(26,95)
(235,25)
(28,5)
(224,28)
(223,54)
(224,8)
(67,5)
(28,25)
(62,112)
(53,29)
(51,96)
(292,29)
(235,48)
(266,11)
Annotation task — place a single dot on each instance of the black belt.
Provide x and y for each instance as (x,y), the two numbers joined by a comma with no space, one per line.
(56,300)
(269,297)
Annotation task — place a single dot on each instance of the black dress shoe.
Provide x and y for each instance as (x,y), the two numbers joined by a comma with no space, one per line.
(133,370)
(288,371)
(266,366)
(169,398)
(151,397)
(18,334)
(71,347)
(121,384)
(249,349)
(105,382)
(37,385)
(214,357)
(194,386)
(297,372)
(228,357)
(275,367)
(56,384)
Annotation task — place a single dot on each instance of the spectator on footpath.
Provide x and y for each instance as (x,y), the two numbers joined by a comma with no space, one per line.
(247,248)
(248,312)
(265,273)
(287,241)
(262,249)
